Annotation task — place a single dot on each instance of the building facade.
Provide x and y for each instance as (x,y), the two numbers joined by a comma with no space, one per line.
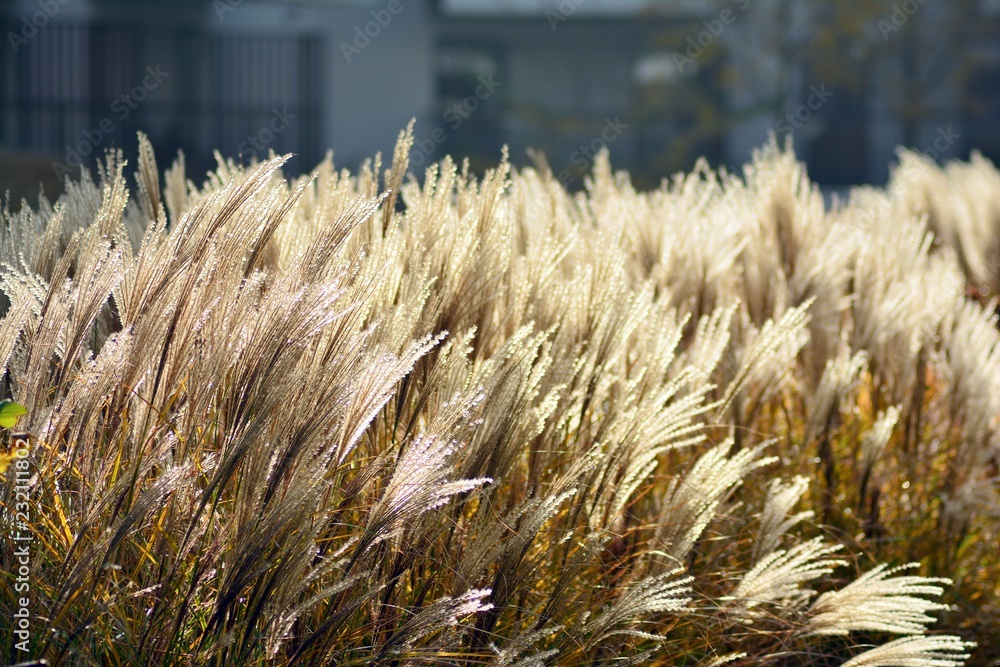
(651,81)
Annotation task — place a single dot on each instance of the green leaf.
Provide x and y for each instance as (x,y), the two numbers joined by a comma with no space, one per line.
(9,412)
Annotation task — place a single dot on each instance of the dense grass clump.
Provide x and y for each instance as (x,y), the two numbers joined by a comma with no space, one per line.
(363,419)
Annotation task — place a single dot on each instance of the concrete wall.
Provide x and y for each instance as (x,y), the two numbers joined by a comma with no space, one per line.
(373,94)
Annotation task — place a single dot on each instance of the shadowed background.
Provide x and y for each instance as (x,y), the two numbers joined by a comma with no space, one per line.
(659,82)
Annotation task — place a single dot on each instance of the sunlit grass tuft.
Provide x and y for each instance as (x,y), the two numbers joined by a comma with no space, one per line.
(278,422)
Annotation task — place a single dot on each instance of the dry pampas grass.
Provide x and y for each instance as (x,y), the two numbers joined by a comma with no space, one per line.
(369,419)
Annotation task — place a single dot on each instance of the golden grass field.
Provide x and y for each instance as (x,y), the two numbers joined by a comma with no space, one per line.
(366,419)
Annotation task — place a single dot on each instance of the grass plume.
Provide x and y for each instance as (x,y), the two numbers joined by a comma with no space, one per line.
(369,419)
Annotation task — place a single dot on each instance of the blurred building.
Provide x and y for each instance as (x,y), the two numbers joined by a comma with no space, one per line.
(235,76)
(660,83)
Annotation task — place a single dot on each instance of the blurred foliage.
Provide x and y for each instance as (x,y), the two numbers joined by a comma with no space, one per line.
(768,54)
